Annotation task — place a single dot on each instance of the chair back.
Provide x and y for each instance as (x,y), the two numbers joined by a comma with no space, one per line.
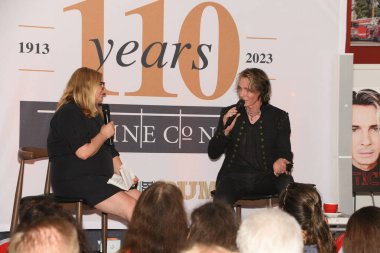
(27,154)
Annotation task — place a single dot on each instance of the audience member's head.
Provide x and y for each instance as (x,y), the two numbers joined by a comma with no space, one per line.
(159,221)
(201,248)
(48,235)
(270,231)
(214,223)
(363,231)
(303,202)
(35,209)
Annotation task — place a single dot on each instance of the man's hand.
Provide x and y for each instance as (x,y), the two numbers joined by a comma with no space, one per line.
(231,112)
(279,167)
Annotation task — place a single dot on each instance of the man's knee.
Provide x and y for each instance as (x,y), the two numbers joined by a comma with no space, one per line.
(224,195)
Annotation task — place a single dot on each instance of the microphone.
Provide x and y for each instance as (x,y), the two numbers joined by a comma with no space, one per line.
(107,119)
(289,167)
(239,106)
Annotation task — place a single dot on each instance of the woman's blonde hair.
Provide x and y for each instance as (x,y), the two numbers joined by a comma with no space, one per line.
(81,89)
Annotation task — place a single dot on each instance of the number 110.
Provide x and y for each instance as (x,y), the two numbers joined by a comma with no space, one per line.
(152,15)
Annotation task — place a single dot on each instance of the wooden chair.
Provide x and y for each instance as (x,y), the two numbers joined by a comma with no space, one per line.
(253,201)
(76,205)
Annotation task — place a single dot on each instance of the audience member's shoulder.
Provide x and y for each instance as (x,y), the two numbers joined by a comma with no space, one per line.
(313,248)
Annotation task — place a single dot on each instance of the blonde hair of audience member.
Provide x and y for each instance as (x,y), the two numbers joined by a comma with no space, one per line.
(363,231)
(303,202)
(159,221)
(201,248)
(270,231)
(214,223)
(50,235)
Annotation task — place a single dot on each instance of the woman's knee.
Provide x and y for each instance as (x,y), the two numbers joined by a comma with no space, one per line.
(135,194)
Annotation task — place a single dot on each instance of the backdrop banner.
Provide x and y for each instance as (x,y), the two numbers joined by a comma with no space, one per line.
(169,67)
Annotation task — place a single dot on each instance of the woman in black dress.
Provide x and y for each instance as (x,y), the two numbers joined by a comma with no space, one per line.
(81,161)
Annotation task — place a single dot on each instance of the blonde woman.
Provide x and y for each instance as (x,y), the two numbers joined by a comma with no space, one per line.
(81,161)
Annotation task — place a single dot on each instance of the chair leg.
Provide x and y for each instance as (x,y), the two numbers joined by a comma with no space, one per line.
(238,212)
(270,202)
(373,199)
(104,232)
(18,194)
(79,213)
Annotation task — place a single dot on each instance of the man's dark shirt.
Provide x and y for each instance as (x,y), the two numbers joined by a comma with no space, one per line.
(366,181)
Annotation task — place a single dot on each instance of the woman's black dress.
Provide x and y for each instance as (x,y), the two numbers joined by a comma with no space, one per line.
(71,176)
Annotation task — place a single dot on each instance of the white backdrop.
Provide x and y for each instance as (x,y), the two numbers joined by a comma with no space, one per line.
(298,41)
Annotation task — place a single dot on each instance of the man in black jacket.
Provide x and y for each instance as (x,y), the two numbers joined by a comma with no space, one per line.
(256,144)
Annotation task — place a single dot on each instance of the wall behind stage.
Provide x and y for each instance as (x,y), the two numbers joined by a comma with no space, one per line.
(169,66)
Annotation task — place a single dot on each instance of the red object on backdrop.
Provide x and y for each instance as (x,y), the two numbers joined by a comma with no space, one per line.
(362,54)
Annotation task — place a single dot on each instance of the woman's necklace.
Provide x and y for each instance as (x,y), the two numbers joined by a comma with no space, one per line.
(252,115)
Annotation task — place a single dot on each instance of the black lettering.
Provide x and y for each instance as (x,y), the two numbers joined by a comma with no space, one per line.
(202,56)
(121,52)
(178,51)
(100,53)
(159,59)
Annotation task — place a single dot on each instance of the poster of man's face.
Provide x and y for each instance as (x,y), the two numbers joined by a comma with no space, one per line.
(365,140)
(365,137)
